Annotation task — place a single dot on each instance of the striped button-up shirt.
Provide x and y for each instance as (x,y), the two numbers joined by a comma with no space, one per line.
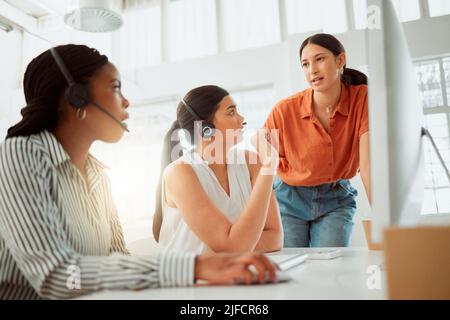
(60,236)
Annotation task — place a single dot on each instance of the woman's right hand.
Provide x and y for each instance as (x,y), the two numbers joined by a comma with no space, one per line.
(232,268)
(266,144)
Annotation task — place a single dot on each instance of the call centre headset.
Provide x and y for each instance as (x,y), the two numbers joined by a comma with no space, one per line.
(77,94)
(207,127)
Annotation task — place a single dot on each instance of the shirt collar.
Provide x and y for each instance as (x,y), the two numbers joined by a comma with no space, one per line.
(54,149)
(306,106)
(59,156)
(342,107)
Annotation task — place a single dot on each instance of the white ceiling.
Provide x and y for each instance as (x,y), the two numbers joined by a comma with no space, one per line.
(41,8)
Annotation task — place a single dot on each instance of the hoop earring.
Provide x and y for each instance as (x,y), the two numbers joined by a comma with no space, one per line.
(81,116)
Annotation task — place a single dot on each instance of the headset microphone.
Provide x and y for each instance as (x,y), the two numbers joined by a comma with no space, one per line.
(77,94)
(124,127)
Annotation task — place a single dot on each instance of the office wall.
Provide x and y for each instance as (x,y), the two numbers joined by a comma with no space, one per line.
(276,66)
(279,66)
(10,78)
(278,63)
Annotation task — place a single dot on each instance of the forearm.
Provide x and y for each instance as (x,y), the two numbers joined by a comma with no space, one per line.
(270,240)
(364,164)
(245,233)
(87,274)
(365,177)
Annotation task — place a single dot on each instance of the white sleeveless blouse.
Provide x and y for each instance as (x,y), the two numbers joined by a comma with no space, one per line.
(175,234)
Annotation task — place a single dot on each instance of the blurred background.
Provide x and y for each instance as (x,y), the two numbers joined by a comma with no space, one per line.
(164,48)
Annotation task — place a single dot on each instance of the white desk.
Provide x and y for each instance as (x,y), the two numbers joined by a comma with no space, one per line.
(341,278)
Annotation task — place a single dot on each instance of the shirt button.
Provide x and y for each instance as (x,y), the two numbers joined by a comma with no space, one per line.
(329,179)
(329,164)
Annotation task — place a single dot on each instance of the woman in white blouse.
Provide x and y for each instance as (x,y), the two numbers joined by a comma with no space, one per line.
(216,197)
(59,231)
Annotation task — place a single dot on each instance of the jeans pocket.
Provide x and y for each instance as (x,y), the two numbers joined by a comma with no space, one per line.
(277,184)
(347,187)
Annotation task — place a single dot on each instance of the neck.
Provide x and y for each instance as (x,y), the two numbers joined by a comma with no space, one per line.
(74,143)
(328,99)
(213,153)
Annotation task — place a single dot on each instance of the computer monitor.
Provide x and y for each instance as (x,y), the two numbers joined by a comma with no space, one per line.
(395,120)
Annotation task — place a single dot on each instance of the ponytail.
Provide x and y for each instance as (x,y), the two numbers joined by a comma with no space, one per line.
(205,102)
(168,146)
(36,116)
(353,77)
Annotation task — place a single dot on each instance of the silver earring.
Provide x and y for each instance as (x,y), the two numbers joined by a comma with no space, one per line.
(81,114)
(342,71)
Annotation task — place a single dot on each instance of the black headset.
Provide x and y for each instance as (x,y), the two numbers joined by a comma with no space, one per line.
(77,94)
(207,127)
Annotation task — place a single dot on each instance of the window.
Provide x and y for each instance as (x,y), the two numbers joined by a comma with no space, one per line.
(433,77)
(429,77)
(437,186)
(193,29)
(254,105)
(140,38)
(439,7)
(311,15)
(11,65)
(446,67)
(250,23)
(363,68)
(143,147)
(407,10)
(100,41)
(360,13)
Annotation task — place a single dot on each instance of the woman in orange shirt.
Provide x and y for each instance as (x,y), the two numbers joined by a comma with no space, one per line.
(323,142)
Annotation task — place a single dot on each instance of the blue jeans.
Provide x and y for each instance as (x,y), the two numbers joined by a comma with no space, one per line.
(319,216)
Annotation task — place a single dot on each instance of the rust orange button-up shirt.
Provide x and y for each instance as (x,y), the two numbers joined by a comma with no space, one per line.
(311,156)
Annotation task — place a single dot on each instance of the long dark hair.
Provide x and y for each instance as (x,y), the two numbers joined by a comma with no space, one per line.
(44,84)
(205,102)
(327,41)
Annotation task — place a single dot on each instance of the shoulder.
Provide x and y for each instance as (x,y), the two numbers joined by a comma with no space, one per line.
(359,92)
(21,152)
(288,107)
(179,172)
(17,144)
(292,100)
(359,100)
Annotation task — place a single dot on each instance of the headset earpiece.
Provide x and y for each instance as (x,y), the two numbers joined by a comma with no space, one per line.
(77,94)
(207,129)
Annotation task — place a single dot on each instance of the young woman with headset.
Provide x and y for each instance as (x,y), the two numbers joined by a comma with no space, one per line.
(60,235)
(210,202)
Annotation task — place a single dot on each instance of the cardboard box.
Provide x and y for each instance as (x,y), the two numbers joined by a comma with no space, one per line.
(418,262)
